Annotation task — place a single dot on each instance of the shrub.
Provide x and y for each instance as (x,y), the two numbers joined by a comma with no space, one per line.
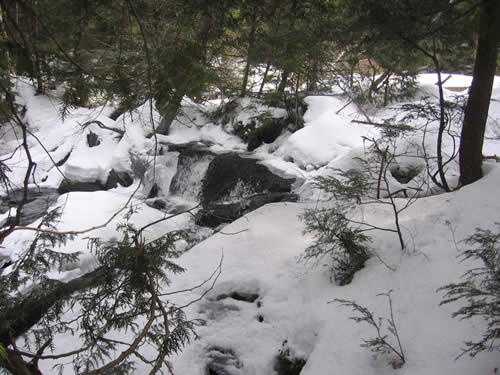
(338,240)
(480,289)
(386,344)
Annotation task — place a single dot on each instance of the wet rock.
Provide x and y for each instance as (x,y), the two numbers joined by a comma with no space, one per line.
(37,203)
(229,173)
(153,193)
(158,204)
(234,186)
(214,215)
(118,178)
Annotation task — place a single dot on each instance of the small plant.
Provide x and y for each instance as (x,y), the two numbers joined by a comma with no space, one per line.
(385,344)
(338,240)
(480,289)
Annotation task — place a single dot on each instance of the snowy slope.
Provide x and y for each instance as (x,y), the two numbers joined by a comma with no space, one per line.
(295,297)
(260,251)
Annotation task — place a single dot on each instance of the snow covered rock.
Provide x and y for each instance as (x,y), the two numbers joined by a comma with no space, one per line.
(114,179)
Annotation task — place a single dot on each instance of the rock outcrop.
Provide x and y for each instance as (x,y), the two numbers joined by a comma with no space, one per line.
(234,186)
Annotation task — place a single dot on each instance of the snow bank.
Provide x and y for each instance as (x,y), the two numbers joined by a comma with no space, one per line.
(327,136)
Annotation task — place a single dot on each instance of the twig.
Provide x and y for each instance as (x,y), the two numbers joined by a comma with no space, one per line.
(102,126)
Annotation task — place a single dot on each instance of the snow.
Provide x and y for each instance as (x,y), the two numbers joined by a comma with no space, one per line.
(328,137)
(260,251)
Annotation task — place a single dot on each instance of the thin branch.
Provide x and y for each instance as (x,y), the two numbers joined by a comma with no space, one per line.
(51,356)
(167,218)
(132,348)
(219,271)
(102,126)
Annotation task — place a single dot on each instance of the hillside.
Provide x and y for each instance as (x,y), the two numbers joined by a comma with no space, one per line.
(265,302)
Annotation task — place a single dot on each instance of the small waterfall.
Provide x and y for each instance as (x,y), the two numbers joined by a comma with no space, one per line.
(191,168)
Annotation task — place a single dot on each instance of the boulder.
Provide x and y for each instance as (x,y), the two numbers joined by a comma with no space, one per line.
(114,179)
(37,203)
(212,215)
(234,186)
(118,178)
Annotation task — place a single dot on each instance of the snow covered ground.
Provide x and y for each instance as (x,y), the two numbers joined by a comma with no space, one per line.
(293,306)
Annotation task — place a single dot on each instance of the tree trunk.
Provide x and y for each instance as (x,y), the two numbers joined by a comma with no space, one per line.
(283,82)
(169,113)
(264,78)
(476,111)
(312,79)
(249,51)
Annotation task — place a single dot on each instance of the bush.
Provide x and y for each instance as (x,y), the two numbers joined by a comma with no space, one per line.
(335,238)
(480,289)
(385,344)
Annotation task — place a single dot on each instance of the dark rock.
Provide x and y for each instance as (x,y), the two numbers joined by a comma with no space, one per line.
(118,178)
(260,318)
(246,297)
(286,364)
(69,186)
(223,362)
(114,179)
(230,175)
(196,146)
(256,133)
(239,296)
(36,205)
(4,261)
(405,175)
(92,139)
(153,193)
(159,204)
(213,215)
(61,162)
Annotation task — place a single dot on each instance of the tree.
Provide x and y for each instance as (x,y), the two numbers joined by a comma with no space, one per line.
(476,111)
(436,30)
(128,290)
